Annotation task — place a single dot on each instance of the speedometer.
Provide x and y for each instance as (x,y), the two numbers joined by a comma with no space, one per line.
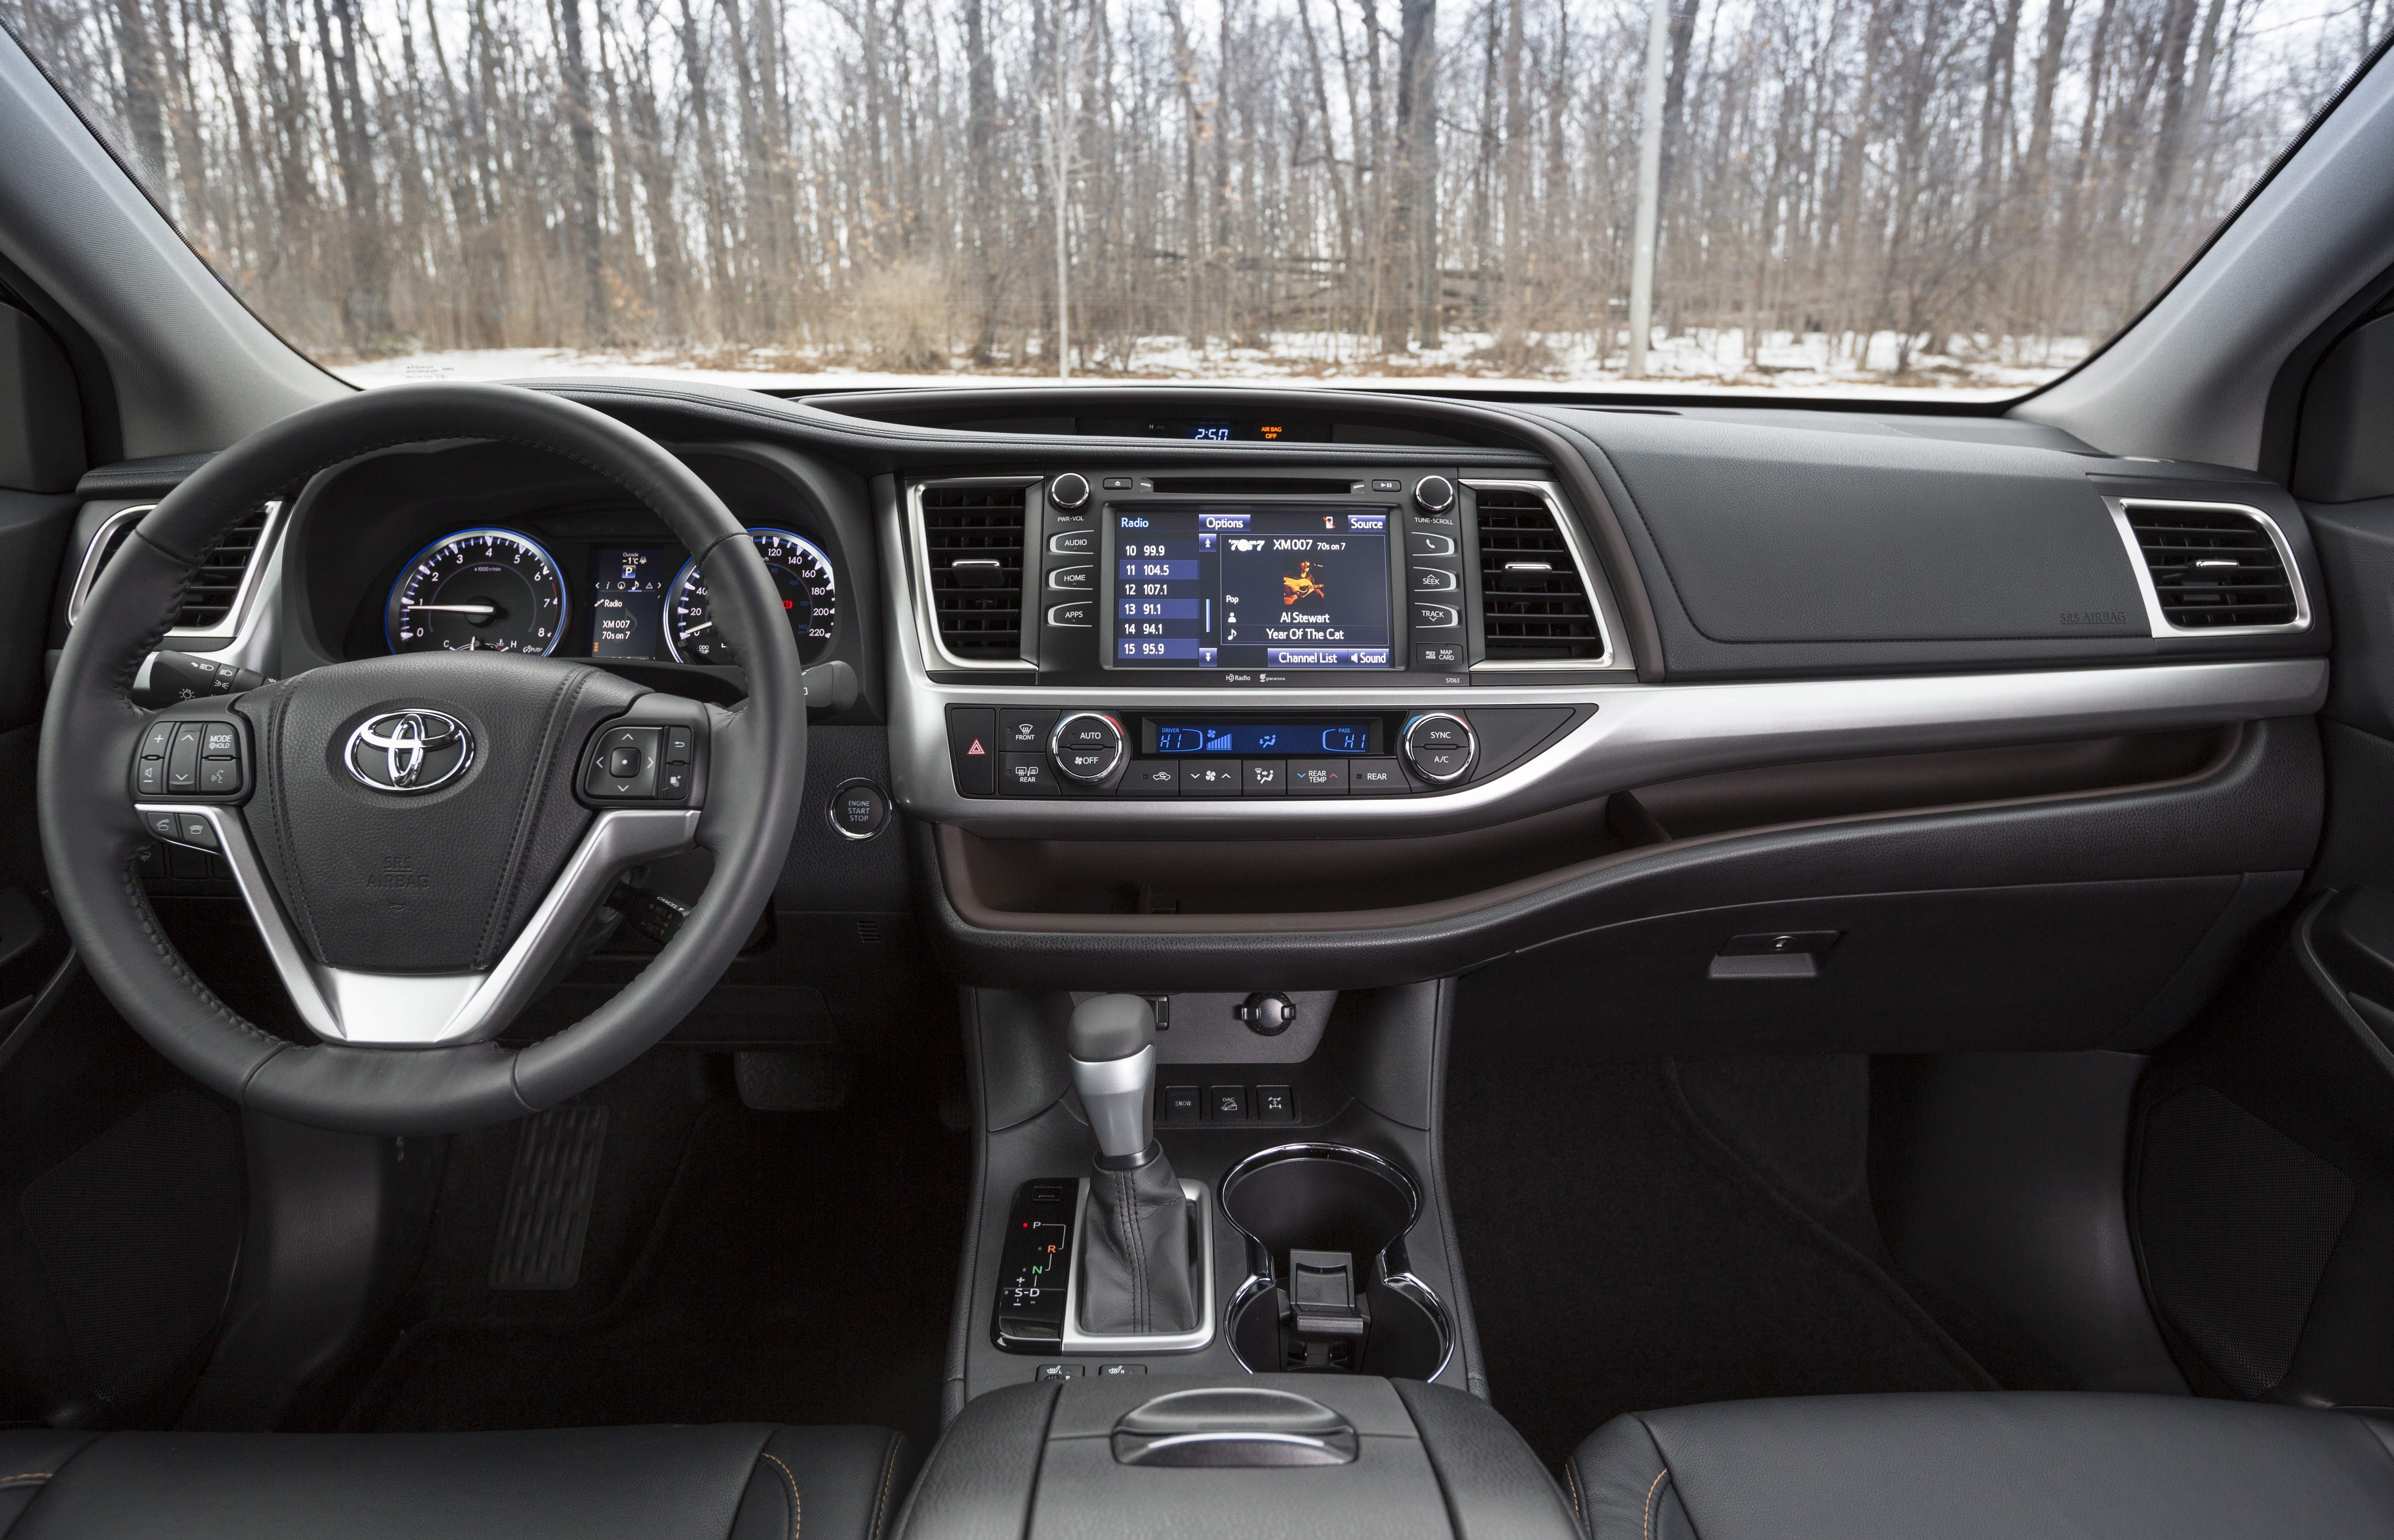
(477,591)
(809,595)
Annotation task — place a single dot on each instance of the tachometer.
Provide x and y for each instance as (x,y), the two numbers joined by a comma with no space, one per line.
(810,594)
(477,591)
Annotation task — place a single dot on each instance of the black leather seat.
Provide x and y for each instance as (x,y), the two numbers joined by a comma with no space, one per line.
(732,1482)
(1981,1466)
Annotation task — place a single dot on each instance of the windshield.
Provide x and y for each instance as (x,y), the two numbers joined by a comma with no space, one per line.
(1905,197)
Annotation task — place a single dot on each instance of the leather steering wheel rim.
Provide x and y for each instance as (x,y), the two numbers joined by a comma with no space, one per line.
(91,728)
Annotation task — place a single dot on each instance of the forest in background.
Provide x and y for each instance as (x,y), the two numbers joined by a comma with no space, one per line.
(1905,189)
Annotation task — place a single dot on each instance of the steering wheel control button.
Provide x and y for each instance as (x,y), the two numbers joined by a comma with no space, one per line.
(1087,747)
(165,825)
(1068,491)
(157,740)
(679,741)
(1439,747)
(623,763)
(218,740)
(1434,493)
(859,810)
(219,777)
(149,777)
(183,760)
(1317,777)
(196,831)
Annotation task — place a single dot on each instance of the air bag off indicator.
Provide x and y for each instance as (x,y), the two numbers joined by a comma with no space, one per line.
(1034,1263)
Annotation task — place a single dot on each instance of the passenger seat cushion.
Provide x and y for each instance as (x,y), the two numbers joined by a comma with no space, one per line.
(739,1481)
(1984,1466)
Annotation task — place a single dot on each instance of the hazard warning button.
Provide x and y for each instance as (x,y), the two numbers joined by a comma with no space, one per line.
(972,743)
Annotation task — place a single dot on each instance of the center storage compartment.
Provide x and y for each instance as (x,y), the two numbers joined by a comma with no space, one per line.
(1330,1289)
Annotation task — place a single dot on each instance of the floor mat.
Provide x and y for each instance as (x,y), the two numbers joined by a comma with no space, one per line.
(802,1270)
(1618,1262)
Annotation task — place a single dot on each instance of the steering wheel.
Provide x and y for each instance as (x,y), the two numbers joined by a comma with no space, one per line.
(419,839)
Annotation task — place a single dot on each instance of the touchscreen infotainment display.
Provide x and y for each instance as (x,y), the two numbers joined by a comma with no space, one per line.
(1250,585)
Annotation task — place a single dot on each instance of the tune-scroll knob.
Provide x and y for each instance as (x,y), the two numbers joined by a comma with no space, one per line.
(1434,493)
(1068,491)
(1086,747)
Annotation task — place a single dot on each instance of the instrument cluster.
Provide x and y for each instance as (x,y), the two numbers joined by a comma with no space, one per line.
(498,589)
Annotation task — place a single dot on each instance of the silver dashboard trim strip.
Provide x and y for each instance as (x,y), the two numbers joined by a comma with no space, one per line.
(2161,624)
(1567,525)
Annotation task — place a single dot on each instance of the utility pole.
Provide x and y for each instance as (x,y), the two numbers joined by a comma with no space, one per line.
(1650,190)
(1063,137)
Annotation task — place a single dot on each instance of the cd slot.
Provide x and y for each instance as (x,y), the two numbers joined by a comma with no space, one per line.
(1255,486)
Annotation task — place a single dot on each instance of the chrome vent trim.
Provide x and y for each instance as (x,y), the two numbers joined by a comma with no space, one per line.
(1582,568)
(927,601)
(233,590)
(2122,510)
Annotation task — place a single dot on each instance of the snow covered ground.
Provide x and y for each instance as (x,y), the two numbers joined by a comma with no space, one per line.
(1813,364)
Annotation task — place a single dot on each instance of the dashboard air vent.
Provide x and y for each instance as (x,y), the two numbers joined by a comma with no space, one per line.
(1532,596)
(2213,567)
(972,540)
(216,586)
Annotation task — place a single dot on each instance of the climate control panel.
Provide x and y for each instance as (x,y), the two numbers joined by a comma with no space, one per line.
(1032,751)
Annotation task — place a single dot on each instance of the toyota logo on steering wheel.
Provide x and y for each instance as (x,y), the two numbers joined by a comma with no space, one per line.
(410,751)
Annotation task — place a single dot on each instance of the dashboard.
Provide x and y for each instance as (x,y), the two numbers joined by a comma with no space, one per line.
(1143,684)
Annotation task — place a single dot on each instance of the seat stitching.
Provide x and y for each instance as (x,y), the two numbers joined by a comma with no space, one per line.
(26,1475)
(1657,1486)
(888,1470)
(1571,1480)
(793,1482)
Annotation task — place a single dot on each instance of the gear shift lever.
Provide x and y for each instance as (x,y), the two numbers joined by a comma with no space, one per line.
(1136,1274)
(1113,1044)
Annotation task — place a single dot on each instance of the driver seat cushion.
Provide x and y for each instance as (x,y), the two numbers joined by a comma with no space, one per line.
(729,1481)
(2000,1465)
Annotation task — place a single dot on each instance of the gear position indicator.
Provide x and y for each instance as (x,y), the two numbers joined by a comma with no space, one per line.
(1037,1262)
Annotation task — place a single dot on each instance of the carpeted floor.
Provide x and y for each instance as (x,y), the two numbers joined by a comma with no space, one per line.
(743,1266)
(1626,1254)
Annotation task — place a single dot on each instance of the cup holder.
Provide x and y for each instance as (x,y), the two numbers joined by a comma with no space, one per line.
(1330,1289)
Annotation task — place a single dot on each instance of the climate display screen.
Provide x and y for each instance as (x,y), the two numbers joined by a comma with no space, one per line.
(1176,736)
(1250,585)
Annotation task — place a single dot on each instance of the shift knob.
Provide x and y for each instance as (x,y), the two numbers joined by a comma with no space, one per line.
(1113,1046)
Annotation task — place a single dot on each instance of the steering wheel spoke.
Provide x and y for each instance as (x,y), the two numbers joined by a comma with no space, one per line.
(423,1010)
